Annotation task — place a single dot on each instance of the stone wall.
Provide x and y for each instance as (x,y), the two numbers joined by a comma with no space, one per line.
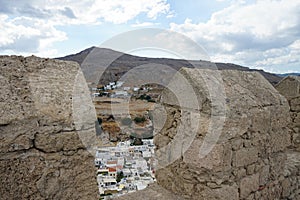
(219,135)
(289,87)
(243,122)
(247,160)
(42,155)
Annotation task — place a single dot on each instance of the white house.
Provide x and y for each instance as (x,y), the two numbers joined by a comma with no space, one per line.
(141,163)
(102,172)
(147,154)
(126,172)
(112,172)
(119,83)
(136,89)
(141,148)
(108,181)
(121,93)
(140,185)
(111,163)
(108,87)
(148,142)
(96,94)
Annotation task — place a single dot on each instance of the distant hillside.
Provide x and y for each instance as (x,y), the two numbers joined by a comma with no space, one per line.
(120,63)
(288,74)
(78,57)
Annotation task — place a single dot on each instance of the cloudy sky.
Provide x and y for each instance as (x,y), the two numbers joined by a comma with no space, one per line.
(261,34)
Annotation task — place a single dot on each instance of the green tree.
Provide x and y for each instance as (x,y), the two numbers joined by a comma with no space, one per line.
(126,121)
(139,119)
(99,120)
(120,175)
(137,141)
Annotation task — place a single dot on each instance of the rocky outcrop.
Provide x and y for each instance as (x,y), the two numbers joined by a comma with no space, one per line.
(42,152)
(224,135)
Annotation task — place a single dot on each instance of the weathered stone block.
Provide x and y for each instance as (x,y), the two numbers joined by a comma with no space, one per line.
(296,119)
(245,156)
(226,192)
(277,165)
(218,159)
(289,86)
(237,144)
(239,173)
(210,161)
(250,169)
(260,119)
(295,104)
(40,157)
(58,142)
(249,184)
(286,187)
(279,141)
(264,175)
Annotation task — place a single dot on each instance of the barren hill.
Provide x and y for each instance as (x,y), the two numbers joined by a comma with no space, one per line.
(116,64)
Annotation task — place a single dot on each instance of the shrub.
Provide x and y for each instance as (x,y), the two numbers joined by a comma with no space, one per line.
(139,119)
(99,120)
(120,175)
(126,121)
(151,100)
(145,97)
(147,135)
(137,142)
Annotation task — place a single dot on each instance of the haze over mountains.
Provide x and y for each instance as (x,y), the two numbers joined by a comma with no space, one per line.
(113,65)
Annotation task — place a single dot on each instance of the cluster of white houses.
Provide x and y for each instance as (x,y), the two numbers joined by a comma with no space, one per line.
(119,91)
(125,168)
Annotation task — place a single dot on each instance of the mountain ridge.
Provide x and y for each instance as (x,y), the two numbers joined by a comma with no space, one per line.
(117,64)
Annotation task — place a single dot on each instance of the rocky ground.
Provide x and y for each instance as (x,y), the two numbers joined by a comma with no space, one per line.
(117,117)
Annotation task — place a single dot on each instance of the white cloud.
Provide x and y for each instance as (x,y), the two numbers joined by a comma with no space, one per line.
(119,11)
(143,24)
(259,30)
(27,35)
(34,30)
(87,11)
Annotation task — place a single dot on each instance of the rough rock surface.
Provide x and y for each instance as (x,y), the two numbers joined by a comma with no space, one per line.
(250,157)
(289,87)
(219,135)
(152,192)
(244,125)
(42,154)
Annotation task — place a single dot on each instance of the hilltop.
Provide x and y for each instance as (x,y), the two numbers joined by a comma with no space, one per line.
(119,63)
